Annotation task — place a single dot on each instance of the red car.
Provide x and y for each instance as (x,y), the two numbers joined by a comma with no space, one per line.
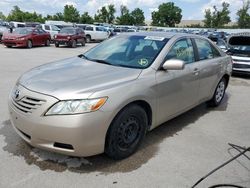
(26,37)
(70,36)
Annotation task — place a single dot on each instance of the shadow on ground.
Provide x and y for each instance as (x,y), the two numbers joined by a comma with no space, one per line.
(103,165)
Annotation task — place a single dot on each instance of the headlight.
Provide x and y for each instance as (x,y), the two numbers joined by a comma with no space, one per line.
(55,36)
(76,106)
(68,37)
(21,38)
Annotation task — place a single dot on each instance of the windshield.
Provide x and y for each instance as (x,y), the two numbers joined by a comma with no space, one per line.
(22,31)
(67,31)
(240,43)
(128,51)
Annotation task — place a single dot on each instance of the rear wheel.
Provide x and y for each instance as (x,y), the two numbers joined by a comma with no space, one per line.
(218,93)
(126,132)
(88,39)
(73,45)
(29,44)
(56,44)
(83,42)
(47,42)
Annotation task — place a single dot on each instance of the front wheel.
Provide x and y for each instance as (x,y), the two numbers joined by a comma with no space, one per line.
(219,93)
(126,132)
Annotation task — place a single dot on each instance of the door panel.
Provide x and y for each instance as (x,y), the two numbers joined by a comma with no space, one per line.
(177,90)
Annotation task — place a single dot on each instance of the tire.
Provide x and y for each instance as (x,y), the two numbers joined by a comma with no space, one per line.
(29,44)
(9,46)
(218,93)
(73,45)
(83,42)
(56,44)
(126,132)
(88,39)
(47,42)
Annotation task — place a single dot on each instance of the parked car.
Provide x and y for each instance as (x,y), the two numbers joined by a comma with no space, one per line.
(70,36)
(106,99)
(239,49)
(51,29)
(96,33)
(26,37)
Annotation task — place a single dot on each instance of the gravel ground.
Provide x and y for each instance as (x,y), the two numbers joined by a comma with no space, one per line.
(176,154)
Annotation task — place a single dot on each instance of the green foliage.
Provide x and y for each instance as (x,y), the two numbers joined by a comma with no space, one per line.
(125,18)
(138,16)
(243,15)
(18,15)
(167,15)
(217,18)
(2,16)
(106,14)
(71,14)
(86,18)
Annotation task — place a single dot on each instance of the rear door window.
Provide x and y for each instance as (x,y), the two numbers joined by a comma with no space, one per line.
(205,50)
(182,50)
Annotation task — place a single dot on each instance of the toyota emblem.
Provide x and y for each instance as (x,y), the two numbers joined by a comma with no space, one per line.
(17,94)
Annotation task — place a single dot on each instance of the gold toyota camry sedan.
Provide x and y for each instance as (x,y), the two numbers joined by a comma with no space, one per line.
(108,98)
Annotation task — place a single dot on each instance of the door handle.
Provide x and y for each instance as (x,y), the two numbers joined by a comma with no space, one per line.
(196,71)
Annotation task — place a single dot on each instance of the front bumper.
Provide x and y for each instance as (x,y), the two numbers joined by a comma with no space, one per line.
(241,67)
(63,41)
(75,135)
(17,43)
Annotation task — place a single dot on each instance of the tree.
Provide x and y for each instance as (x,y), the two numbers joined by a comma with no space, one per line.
(106,14)
(111,13)
(243,15)
(2,16)
(86,18)
(15,15)
(208,18)
(138,16)
(71,14)
(125,18)
(217,18)
(167,15)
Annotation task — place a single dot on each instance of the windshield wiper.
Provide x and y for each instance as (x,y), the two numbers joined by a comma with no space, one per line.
(101,61)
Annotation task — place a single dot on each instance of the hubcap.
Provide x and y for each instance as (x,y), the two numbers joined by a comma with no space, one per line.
(220,92)
(128,133)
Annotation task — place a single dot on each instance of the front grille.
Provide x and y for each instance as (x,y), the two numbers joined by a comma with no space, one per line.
(28,104)
(241,66)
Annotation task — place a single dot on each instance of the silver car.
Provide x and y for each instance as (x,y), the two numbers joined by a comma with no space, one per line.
(108,98)
(239,49)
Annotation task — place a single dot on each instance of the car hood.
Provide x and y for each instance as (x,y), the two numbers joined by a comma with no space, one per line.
(75,78)
(13,35)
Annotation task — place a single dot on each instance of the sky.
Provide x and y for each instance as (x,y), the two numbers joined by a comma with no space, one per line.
(191,9)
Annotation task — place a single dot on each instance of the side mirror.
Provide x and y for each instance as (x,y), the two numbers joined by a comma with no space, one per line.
(173,64)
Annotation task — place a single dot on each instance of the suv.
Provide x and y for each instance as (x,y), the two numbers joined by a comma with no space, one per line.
(70,36)
(96,33)
(52,29)
(239,49)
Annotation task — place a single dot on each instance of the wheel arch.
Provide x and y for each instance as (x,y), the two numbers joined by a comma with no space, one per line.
(143,104)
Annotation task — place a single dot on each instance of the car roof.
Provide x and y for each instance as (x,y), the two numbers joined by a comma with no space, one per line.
(160,34)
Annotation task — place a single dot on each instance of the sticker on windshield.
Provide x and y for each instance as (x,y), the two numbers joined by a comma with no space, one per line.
(154,38)
(143,62)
